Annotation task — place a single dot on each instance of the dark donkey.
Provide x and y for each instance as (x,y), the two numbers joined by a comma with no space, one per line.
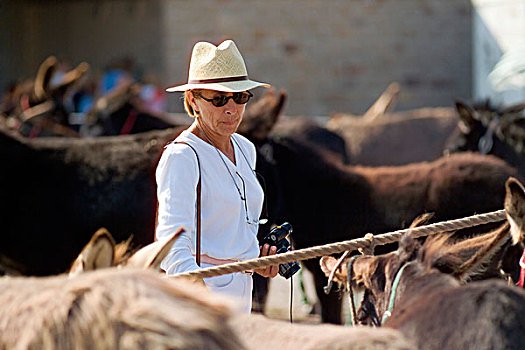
(327,202)
(489,130)
(55,192)
(420,290)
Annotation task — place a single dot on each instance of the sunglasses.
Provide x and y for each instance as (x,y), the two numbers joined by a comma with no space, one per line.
(243,198)
(218,101)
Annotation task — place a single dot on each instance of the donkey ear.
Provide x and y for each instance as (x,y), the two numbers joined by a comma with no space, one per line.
(492,244)
(515,209)
(43,76)
(408,248)
(328,263)
(99,253)
(152,255)
(466,117)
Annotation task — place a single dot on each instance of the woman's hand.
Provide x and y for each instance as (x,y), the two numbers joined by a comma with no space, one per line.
(269,271)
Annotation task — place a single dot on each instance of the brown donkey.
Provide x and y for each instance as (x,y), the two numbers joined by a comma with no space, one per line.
(419,290)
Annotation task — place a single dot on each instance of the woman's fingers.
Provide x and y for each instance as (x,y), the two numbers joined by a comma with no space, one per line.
(269,271)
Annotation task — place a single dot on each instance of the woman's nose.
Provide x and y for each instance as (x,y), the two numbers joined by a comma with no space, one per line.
(230,107)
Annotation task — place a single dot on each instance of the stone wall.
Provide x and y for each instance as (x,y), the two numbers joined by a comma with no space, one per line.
(331,55)
(335,55)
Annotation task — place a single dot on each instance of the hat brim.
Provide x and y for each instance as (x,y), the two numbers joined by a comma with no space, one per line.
(230,86)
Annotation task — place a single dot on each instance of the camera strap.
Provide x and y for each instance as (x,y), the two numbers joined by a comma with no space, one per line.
(198,207)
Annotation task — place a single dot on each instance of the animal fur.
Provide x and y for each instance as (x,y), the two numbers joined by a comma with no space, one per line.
(112,309)
(57,191)
(397,138)
(261,333)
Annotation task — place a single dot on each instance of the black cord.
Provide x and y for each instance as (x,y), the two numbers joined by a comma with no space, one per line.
(291,299)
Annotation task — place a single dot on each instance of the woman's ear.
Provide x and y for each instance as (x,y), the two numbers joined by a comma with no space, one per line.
(193,103)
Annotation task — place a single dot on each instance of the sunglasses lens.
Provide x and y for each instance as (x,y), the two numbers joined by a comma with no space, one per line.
(238,97)
(241,97)
(219,101)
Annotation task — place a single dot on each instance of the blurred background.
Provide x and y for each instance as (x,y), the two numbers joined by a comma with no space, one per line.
(331,56)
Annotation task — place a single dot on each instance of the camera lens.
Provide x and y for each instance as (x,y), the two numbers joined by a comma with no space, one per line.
(289,269)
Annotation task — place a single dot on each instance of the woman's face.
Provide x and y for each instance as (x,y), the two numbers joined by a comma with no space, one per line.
(219,120)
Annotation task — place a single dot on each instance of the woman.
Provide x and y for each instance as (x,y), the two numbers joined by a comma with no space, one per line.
(231,196)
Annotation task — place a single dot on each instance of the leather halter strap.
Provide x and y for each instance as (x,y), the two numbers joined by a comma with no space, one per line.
(198,207)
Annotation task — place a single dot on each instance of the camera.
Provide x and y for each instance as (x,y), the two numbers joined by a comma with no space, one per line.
(278,237)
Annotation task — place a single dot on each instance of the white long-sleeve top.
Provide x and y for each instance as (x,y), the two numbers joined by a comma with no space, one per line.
(225,233)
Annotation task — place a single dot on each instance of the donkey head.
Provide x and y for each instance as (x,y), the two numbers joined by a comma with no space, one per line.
(371,277)
(261,116)
(487,129)
(470,130)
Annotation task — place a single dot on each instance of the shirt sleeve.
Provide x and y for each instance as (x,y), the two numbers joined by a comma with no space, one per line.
(177,176)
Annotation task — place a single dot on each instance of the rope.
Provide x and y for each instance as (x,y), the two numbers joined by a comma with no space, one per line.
(334,248)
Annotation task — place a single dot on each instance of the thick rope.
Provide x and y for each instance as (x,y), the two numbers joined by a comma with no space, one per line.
(333,248)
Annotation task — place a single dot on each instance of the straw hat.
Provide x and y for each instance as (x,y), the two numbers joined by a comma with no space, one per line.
(219,68)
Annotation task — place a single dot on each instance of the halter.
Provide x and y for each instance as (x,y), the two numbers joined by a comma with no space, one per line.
(487,140)
(388,311)
(501,127)
(521,281)
(351,300)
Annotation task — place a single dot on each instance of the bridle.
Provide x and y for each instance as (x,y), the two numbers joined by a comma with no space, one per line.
(395,284)
(501,126)
(351,299)
(486,142)
(391,301)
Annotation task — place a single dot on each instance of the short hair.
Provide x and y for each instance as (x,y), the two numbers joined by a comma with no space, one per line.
(187,105)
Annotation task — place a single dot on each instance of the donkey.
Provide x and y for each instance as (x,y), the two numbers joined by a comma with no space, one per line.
(327,202)
(420,290)
(489,130)
(396,138)
(55,192)
(112,309)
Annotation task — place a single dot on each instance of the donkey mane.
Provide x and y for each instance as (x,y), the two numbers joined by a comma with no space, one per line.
(463,259)
(123,251)
(438,252)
